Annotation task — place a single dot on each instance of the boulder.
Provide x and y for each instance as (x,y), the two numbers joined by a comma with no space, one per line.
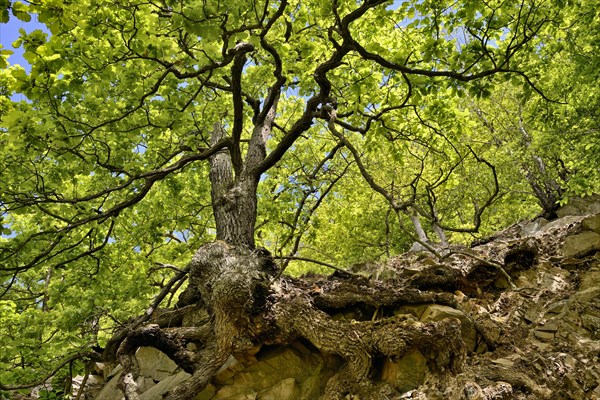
(231,367)
(110,391)
(558,224)
(591,223)
(278,372)
(154,363)
(157,391)
(144,383)
(589,279)
(286,389)
(587,295)
(581,244)
(581,206)
(530,228)
(407,373)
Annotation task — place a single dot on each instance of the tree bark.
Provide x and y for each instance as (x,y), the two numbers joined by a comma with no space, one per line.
(233,197)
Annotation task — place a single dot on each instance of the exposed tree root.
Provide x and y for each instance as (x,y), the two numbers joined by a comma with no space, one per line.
(245,308)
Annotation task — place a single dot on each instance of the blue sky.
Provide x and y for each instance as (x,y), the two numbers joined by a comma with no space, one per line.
(9,32)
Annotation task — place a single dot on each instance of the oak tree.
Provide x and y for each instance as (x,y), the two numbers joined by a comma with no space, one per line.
(153,130)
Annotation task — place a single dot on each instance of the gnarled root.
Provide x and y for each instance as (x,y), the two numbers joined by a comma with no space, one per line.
(360,342)
(231,281)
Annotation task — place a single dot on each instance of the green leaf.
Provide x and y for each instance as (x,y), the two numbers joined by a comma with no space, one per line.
(4,16)
(21,11)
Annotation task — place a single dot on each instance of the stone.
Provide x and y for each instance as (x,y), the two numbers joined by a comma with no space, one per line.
(504,362)
(548,326)
(110,391)
(415,310)
(530,228)
(156,392)
(293,361)
(231,367)
(248,357)
(532,314)
(581,244)
(559,223)
(580,206)
(542,335)
(558,308)
(589,279)
(591,223)
(154,363)
(144,383)
(207,394)
(499,391)
(407,373)
(473,391)
(311,387)
(286,389)
(587,295)
(570,361)
(235,393)
(590,322)
(274,365)
(436,312)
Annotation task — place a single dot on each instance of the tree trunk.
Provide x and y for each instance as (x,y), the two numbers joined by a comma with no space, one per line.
(233,197)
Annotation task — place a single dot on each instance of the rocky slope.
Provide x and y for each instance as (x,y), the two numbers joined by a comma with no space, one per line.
(530,329)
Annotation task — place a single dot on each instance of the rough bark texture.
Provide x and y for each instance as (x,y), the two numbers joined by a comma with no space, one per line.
(233,197)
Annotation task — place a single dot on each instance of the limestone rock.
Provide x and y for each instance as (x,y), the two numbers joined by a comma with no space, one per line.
(543,335)
(589,279)
(591,322)
(286,389)
(235,393)
(156,392)
(407,373)
(499,391)
(581,206)
(591,223)
(473,391)
(538,341)
(559,223)
(587,295)
(412,309)
(581,244)
(292,371)
(311,387)
(207,394)
(228,370)
(436,312)
(144,383)
(530,228)
(110,391)
(154,363)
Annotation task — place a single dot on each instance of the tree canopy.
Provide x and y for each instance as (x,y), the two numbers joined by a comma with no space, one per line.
(335,132)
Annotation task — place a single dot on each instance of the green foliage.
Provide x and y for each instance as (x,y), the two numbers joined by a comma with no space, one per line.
(104,184)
